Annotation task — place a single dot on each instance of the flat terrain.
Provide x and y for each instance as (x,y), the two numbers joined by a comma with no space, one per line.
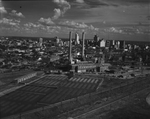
(46,91)
(8,77)
(138,109)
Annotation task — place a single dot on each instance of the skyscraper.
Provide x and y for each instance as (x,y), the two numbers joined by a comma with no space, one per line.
(122,44)
(40,42)
(102,43)
(57,40)
(96,40)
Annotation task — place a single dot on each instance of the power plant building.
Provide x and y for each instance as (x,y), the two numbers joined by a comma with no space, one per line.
(82,66)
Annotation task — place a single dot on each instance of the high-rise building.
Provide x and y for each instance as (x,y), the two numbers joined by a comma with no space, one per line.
(117,44)
(40,42)
(113,42)
(102,43)
(122,45)
(107,44)
(57,40)
(96,40)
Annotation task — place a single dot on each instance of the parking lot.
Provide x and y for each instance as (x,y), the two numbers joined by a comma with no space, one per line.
(48,90)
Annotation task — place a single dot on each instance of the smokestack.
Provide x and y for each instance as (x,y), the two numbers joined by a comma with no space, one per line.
(77,38)
(70,46)
(83,38)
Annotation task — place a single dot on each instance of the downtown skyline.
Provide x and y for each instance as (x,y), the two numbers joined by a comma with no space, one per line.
(120,19)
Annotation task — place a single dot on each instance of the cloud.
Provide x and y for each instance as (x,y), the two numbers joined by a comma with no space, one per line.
(32,28)
(114,30)
(91,27)
(57,13)
(80,4)
(130,1)
(128,30)
(32,25)
(125,2)
(2,10)
(63,4)
(10,22)
(39,28)
(85,4)
(74,24)
(80,1)
(10,25)
(52,29)
(15,14)
(47,21)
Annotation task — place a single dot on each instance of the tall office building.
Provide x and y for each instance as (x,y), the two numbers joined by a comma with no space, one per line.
(117,44)
(103,43)
(40,42)
(96,40)
(57,40)
(122,45)
(113,42)
(107,44)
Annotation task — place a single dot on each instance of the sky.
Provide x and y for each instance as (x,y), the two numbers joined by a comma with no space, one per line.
(109,19)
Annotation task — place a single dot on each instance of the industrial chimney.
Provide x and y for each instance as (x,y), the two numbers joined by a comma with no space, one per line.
(70,46)
(83,38)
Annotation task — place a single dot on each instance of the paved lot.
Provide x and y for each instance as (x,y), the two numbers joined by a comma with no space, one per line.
(48,90)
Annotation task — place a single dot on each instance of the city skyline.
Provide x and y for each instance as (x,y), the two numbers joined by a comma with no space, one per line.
(120,19)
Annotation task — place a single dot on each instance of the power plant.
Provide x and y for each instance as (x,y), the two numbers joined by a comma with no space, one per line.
(70,47)
(83,42)
(77,41)
(83,65)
